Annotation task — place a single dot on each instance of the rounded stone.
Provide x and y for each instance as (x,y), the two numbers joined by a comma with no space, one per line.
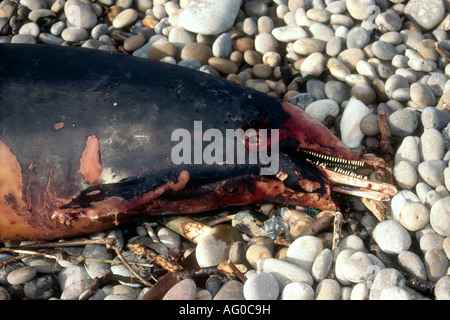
(442,288)
(322,265)
(359,9)
(383,50)
(256,252)
(433,118)
(422,95)
(313,65)
(184,290)
(440,216)
(30,28)
(403,122)
(41,288)
(426,48)
(74,34)
(297,291)
(284,272)
(424,65)
(394,293)
(358,37)
(134,42)
(321,32)
(405,175)
(306,46)
(231,290)
(222,65)
(364,93)
(125,18)
(369,125)
(414,216)
(265,42)
(321,109)
(427,14)
(161,49)
(385,278)
(355,268)
(408,151)
(80,14)
(436,264)
(388,21)
(412,263)
(352,242)
(209,17)
(328,289)
(23,38)
(222,46)
(432,145)
(197,52)
(303,251)
(392,237)
(289,33)
(21,275)
(360,291)
(262,71)
(432,172)
(261,286)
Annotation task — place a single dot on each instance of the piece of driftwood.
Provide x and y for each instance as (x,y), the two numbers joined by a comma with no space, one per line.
(386,147)
(323,223)
(378,208)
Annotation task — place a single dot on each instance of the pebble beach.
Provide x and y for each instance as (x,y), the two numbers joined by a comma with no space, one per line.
(349,62)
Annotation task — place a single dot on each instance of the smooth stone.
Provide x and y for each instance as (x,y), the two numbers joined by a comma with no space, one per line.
(342,20)
(364,93)
(426,14)
(354,112)
(313,65)
(222,65)
(289,33)
(392,237)
(209,17)
(169,238)
(321,32)
(337,91)
(412,264)
(41,288)
(231,290)
(306,46)
(369,125)
(366,69)
(262,71)
(184,290)
(80,14)
(360,291)
(352,242)
(421,190)
(440,216)
(316,89)
(249,26)
(447,178)
(23,38)
(265,42)
(432,172)
(180,37)
(424,65)
(222,46)
(297,291)
(72,275)
(321,109)
(302,100)
(426,48)
(328,289)
(213,248)
(57,28)
(30,28)
(359,9)
(197,52)
(42,265)
(395,82)
(437,83)
(385,278)
(408,151)
(394,293)
(334,46)
(122,270)
(355,268)
(442,288)
(99,30)
(21,275)
(125,18)
(432,145)
(338,69)
(436,264)
(388,21)
(134,42)
(74,34)
(402,198)
(4,294)
(74,291)
(403,122)
(284,272)
(303,251)
(405,175)
(322,265)
(414,216)
(422,95)
(38,14)
(383,50)
(431,241)
(161,49)
(261,286)
(97,269)
(256,252)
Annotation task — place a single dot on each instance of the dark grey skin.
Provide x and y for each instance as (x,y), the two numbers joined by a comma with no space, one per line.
(53,98)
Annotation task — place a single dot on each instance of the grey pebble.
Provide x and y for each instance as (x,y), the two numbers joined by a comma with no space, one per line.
(41,288)
(358,37)
(37,14)
(23,38)
(412,264)
(403,122)
(409,152)
(261,286)
(383,50)
(432,145)
(322,265)
(30,28)
(431,241)
(79,14)
(213,285)
(302,100)
(284,272)
(21,275)
(321,109)
(94,268)
(433,118)
(392,237)
(222,46)
(74,34)
(297,291)
(184,290)
(231,290)
(436,264)
(442,288)
(440,216)
(432,172)
(385,278)
(405,174)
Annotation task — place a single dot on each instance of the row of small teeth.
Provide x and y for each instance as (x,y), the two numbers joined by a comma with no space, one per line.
(349,173)
(336,159)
